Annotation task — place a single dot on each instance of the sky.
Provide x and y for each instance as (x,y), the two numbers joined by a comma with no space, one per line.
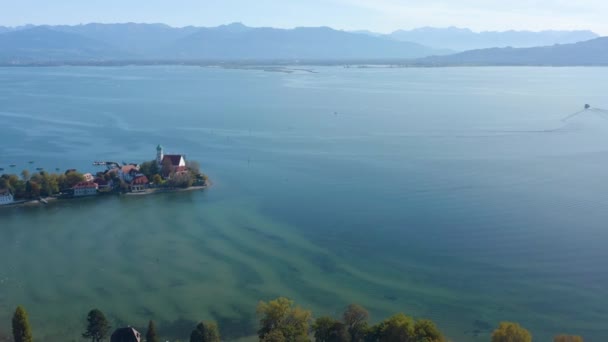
(375,15)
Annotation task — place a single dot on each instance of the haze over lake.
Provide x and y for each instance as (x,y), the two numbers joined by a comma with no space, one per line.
(455,194)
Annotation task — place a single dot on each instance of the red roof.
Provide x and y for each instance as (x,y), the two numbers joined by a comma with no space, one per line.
(140,180)
(129,168)
(173,158)
(86,185)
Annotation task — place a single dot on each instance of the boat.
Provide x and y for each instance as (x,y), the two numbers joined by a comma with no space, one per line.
(39,169)
(12,165)
(42,200)
(31,162)
(587,106)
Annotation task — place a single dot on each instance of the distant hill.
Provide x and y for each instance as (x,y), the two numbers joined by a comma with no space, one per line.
(588,53)
(462,39)
(226,42)
(42,44)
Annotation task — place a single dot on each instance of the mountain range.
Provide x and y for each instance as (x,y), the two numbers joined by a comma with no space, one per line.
(159,43)
(462,39)
(227,42)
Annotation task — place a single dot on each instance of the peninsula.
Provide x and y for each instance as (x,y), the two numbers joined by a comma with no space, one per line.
(165,173)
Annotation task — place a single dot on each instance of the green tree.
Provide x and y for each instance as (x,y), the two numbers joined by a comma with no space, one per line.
(327,329)
(355,318)
(274,336)
(25,175)
(157,179)
(398,328)
(149,168)
(21,326)
(567,338)
(72,178)
(151,335)
(205,332)
(426,331)
(511,332)
(281,315)
(98,326)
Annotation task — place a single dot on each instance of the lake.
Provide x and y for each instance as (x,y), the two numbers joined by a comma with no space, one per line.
(455,194)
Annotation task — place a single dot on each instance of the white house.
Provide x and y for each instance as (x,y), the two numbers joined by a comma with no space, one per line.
(6,197)
(85,189)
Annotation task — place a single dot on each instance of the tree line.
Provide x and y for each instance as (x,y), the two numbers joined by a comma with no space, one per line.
(32,186)
(280,320)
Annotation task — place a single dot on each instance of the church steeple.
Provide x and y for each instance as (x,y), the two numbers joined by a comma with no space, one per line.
(159,155)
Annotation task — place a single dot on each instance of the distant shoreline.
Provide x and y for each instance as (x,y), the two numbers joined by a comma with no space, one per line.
(278,65)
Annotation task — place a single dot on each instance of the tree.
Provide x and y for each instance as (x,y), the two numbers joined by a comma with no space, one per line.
(149,168)
(97,326)
(511,332)
(193,167)
(205,332)
(398,328)
(157,179)
(273,336)
(280,317)
(181,180)
(167,168)
(25,174)
(355,318)
(21,326)
(151,335)
(426,331)
(567,338)
(328,329)
(72,178)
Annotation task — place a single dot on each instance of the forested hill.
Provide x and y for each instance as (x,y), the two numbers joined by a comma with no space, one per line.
(587,53)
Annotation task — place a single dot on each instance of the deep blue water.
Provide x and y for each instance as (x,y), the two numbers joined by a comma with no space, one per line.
(455,194)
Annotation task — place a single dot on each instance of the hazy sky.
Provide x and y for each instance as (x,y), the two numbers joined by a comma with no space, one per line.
(376,15)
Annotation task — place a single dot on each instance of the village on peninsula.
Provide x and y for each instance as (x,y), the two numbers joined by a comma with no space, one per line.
(166,173)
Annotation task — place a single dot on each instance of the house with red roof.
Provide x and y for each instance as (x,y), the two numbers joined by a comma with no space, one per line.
(128,172)
(85,189)
(139,184)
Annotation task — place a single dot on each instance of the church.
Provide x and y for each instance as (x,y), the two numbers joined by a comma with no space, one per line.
(177,162)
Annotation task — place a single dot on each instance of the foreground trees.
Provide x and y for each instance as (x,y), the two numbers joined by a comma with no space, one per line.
(205,332)
(511,332)
(280,320)
(327,329)
(21,326)
(151,335)
(97,326)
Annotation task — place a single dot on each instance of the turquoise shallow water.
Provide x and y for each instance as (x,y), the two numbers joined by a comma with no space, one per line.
(453,194)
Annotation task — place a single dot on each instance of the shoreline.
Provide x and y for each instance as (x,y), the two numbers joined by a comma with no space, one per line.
(147,192)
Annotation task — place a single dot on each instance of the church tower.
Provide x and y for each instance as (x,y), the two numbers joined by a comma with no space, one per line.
(159,155)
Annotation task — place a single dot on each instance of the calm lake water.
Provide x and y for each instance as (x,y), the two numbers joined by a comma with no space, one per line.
(454,194)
